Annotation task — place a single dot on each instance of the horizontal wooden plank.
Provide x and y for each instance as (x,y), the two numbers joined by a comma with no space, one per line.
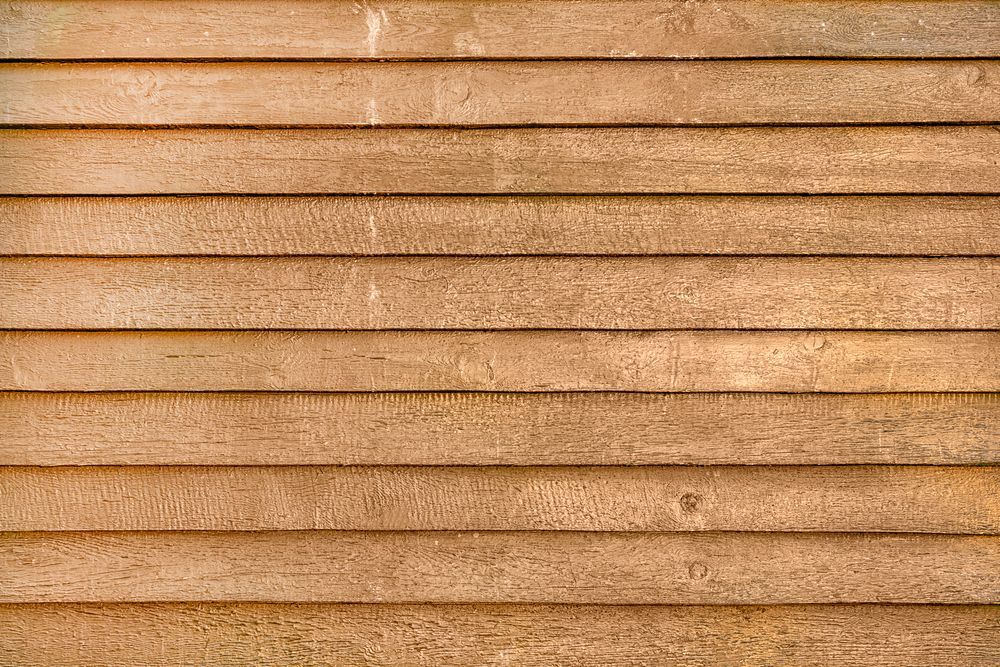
(53,635)
(88,29)
(538,225)
(922,159)
(497,429)
(437,566)
(501,93)
(500,293)
(825,361)
(912,499)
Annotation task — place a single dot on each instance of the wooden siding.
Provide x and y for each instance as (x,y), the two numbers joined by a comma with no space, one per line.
(535,361)
(648,498)
(510,225)
(653,160)
(502,93)
(393,634)
(477,29)
(459,428)
(500,566)
(500,332)
(495,293)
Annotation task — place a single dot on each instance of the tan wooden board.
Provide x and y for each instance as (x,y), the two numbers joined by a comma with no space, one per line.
(817,160)
(41,429)
(823,361)
(88,29)
(501,93)
(67,635)
(500,293)
(939,499)
(529,567)
(457,225)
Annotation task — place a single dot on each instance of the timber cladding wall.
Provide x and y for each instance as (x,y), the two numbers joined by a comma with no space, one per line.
(500,332)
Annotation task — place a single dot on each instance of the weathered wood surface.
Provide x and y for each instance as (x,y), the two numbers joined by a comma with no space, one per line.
(89,29)
(939,499)
(500,293)
(294,430)
(538,225)
(68,635)
(501,93)
(817,160)
(540,361)
(40,429)
(440,566)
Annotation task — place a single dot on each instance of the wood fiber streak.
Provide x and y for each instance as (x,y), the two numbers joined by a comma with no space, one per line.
(497,429)
(527,567)
(88,29)
(219,225)
(685,361)
(935,499)
(503,93)
(500,293)
(503,161)
(537,635)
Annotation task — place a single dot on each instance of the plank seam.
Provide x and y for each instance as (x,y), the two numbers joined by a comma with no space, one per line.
(524,59)
(475,126)
(498,195)
(553,255)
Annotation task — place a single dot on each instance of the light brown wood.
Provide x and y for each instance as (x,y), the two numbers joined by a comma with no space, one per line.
(497,429)
(501,93)
(500,293)
(825,361)
(88,29)
(53,635)
(749,415)
(912,499)
(503,161)
(439,566)
(207,225)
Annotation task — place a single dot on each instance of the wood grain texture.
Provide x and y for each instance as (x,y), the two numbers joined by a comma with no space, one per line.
(963,160)
(39,429)
(89,29)
(400,225)
(938,499)
(528,567)
(57,635)
(669,457)
(501,93)
(500,293)
(686,361)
